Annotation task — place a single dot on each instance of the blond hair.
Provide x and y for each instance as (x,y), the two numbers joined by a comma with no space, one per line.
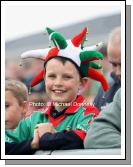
(18,89)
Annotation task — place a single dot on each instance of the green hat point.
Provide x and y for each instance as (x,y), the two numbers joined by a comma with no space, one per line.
(49,30)
(59,40)
(95,65)
(90,54)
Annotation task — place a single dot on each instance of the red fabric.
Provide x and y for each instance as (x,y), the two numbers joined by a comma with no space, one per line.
(96,75)
(38,78)
(52,53)
(90,109)
(77,40)
(88,60)
(80,133)
(74,107)
(70,109)
(54,121)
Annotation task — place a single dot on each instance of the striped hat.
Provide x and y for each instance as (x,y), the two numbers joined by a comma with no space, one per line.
(83,57)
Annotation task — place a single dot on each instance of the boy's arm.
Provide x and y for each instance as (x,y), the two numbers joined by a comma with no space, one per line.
(18,141)
(60,141)
(22,148)
(27,147)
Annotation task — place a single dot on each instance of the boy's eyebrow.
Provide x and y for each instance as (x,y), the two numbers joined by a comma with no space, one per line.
(67,73)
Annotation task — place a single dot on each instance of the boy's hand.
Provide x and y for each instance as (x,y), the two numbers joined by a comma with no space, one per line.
(44,128)
(35,141)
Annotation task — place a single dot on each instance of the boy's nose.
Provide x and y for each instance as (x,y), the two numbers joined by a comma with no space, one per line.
(58,82)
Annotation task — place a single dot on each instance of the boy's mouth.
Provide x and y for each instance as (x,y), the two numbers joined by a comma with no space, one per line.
(59,91)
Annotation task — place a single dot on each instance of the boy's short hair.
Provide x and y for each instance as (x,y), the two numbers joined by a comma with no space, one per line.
(64,60)
(18,89)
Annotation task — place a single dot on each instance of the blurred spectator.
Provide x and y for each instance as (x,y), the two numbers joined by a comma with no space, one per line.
(106,64)
(105,130)
(13,71)
(114,58)
(16,104)
(25,73)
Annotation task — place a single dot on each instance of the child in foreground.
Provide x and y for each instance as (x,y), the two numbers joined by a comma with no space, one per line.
(62,124)
(16,94)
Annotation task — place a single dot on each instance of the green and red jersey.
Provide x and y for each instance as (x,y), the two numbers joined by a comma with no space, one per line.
(77,118)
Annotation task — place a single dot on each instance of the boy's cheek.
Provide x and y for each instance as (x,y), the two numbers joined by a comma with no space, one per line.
(48,84)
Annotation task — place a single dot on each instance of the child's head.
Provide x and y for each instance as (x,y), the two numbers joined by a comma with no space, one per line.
(15,102)
(62,79)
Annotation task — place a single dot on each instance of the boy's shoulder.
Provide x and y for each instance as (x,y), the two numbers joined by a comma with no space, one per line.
(90,108)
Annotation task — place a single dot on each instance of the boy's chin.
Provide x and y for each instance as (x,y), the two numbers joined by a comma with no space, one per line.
(60,100)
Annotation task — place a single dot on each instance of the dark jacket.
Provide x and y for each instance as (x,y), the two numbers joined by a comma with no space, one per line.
(103,98)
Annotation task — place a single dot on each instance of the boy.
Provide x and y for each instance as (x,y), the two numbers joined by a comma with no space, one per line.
(16,94)
(63,123)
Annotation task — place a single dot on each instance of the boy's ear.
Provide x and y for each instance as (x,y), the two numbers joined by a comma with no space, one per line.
(84,81)
(84,85)
(24,108)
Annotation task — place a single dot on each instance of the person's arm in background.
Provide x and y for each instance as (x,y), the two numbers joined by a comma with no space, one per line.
(105,130)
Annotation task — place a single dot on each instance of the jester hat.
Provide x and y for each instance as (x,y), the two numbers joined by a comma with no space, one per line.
(83,57)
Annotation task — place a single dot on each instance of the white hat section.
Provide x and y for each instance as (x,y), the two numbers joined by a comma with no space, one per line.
(39,53)
(72,53)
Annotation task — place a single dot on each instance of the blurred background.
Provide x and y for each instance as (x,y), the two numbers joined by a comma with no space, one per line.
(24,29)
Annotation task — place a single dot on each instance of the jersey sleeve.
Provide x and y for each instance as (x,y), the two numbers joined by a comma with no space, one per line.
(19,134)
(22,148)
(85,120)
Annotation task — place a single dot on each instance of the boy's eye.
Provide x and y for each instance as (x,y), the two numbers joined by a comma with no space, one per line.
(51,76)
(67,76)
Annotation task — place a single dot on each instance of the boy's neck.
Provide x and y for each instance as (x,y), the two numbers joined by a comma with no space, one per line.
(60,107)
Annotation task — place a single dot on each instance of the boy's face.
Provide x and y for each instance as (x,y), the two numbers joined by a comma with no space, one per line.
(13,111)
(62,81)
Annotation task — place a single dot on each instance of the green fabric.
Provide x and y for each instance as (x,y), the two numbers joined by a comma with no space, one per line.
(95,65)
(89,54)
(59,40)
(105,130)
(84,67)
(25,129)
(49,30)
